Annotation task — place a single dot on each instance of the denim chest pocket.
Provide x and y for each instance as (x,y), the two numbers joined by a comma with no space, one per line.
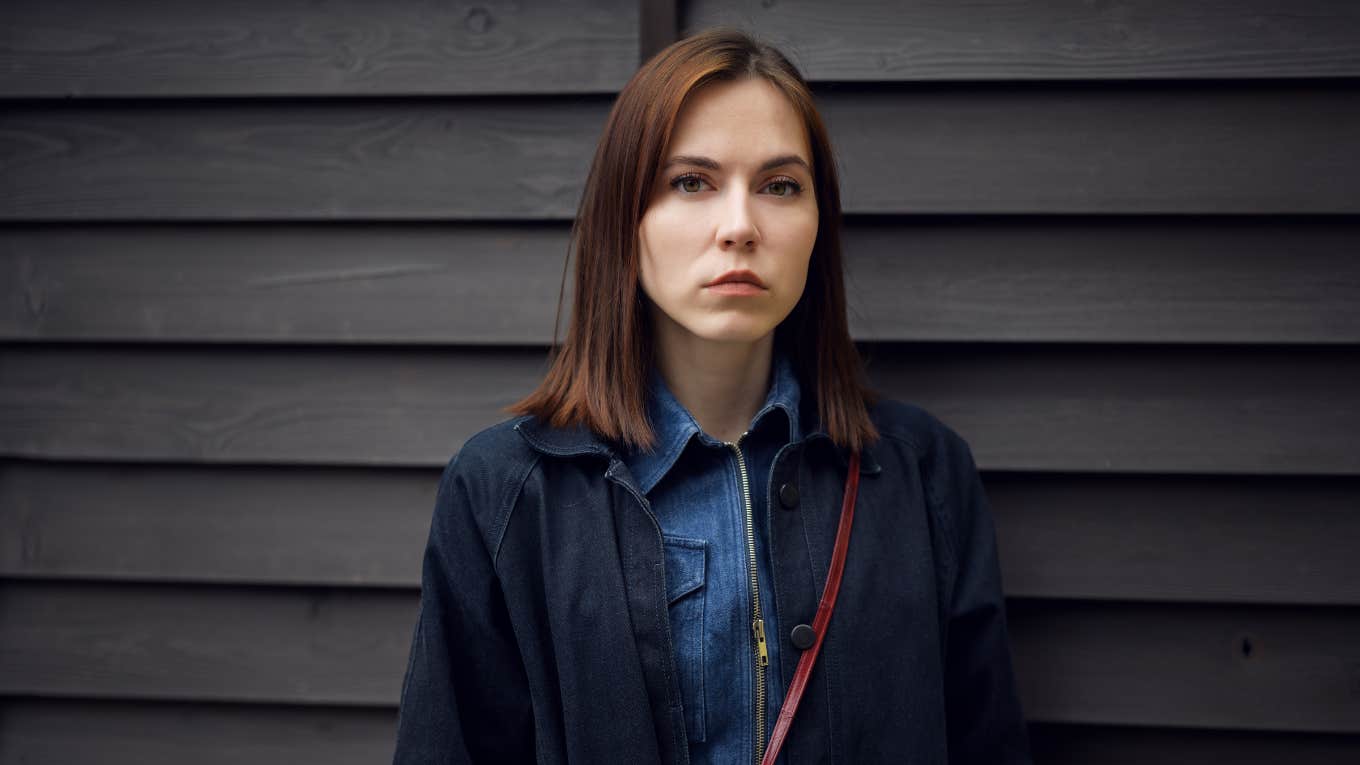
(685,573)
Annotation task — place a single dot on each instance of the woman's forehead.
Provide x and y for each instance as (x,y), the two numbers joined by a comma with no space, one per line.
(743,122)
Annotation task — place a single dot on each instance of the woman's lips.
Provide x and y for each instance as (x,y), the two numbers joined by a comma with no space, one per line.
(736,288)
(738,282)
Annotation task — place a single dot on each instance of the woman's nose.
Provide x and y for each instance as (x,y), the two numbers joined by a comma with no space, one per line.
(737,227)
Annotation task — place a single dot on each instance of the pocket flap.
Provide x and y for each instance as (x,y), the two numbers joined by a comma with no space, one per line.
(684,565)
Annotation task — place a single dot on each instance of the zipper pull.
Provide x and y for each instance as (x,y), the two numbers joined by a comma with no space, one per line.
(758,627)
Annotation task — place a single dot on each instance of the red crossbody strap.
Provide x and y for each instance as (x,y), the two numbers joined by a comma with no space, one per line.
(833,585)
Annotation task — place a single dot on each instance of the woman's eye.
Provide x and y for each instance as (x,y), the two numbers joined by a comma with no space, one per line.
(693,184)
(784,187)
(690,184)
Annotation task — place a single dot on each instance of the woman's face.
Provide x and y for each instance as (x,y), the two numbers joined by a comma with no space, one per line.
(734,193)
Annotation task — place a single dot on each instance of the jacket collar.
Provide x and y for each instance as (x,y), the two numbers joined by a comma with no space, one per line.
(675,426)
(579,441)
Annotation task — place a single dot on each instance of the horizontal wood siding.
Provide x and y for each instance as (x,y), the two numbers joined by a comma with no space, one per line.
(145,48)
(1276,668)
(40,732)
(1174,280)
(1178,409)
(265,266)
(1148,537)
(1003,40)
(1143,148)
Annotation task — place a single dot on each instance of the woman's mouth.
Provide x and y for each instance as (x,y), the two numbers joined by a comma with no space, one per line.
(740,282)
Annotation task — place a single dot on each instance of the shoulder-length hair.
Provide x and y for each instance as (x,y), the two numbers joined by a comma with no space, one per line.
(598,376)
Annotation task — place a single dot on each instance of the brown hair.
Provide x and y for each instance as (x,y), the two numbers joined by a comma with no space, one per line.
(598,376)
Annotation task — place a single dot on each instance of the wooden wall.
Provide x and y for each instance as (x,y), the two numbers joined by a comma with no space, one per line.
(265,265)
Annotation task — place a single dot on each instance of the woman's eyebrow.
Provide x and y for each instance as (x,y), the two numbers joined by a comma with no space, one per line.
(712,164)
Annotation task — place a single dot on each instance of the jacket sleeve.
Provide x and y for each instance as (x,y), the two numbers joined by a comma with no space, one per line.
(983,714)
(465,696)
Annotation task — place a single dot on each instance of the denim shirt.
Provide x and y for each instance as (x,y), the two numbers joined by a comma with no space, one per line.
(696,488)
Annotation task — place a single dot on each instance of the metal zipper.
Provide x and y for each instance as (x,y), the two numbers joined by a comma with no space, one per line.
(762,655)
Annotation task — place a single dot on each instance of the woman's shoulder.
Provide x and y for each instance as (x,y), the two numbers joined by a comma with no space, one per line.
(916,427)
(495,447)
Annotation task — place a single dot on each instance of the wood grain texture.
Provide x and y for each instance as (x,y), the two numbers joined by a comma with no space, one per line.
(301,646)
(299,48)
(239,524)
(1214,409)
(407,283)
(1230,667)
(1178,538)
(1176,665)
(1057,744)
(1002,279)
(1124,279)
(1211,409)
(1156,537)
(321,160)
(61,732)
(1097,148)
(1258,148)
(1067,39)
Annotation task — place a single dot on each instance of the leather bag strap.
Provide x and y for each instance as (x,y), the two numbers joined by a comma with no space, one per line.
(828,602)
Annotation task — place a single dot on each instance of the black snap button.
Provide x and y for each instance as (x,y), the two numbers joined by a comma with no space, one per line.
(788,496)
(803,636)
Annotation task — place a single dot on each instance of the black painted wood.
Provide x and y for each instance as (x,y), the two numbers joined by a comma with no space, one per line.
(121,732)
(1259,148)
(1120,279)
(1175,665)
(1235,667)
(262,645)
(323,160)
(659,26)
(1151,538)
(1214,409)
(406,283)
(1058,744)
(1178,538)
(298,48)
(1081,218)
(1017,40)
(60,732)
(195,523)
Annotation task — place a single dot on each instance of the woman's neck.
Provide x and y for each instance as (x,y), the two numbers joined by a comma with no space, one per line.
(723,384)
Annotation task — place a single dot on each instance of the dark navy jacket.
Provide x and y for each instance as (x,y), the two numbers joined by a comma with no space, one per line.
(543,635)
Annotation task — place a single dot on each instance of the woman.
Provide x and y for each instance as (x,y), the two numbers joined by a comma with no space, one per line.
(629,570)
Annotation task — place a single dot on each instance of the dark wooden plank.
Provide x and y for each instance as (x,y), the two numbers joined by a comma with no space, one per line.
(301,48)
(658,26)
(61,732)
(1162,280)
(1168,280)
(471,158)
(1211,409)
(1098,148)
(1268,668)
(1257,148)
(241,524)
(384,406)
(1019,40)
(1281,540)
(1216,409)
(1076,662)
(1057,744)
(409,283)
(312,646)
(1178,538)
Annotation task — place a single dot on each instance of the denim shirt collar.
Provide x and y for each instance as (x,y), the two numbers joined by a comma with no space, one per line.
(579,440)
(675,426)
